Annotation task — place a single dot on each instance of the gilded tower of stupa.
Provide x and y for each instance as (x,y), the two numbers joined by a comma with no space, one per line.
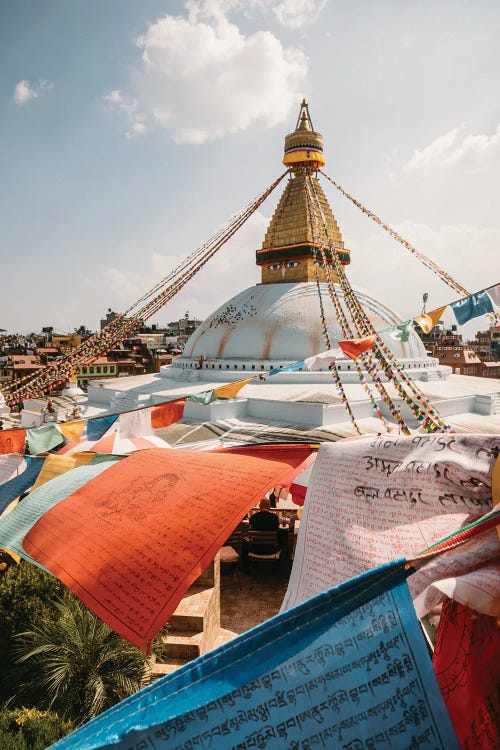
(293,236)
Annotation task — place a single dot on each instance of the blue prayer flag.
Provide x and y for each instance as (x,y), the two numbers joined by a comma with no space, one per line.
(348,668)
(289,368)
(96,428)
(472,307)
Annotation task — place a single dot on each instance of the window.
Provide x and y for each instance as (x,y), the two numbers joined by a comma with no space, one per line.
(98,369)
(105,368)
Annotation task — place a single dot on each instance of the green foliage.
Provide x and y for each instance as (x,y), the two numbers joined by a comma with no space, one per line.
(26,594)
(78,664)
(29,729)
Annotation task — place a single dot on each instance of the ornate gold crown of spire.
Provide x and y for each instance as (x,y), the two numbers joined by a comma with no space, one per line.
(292,239)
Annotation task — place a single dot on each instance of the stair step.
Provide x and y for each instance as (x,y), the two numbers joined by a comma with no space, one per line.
(162,668)
(191,610)
(183,644)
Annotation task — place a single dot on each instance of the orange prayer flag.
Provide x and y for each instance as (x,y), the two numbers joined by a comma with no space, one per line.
(167,414)
(429,320)
(353,348)
(12,441)
(72,431)
(130,542)
(231,389)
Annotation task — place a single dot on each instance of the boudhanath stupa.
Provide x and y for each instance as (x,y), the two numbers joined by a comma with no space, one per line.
(286,318)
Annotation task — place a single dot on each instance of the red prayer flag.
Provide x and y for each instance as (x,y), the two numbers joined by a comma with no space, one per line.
(353,348)
(12,441)
(131,541)
(167,414)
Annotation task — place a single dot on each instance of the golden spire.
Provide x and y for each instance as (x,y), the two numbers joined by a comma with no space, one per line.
(290,248)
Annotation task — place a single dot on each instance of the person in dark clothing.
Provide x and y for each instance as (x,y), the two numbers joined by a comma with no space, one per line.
(264,520)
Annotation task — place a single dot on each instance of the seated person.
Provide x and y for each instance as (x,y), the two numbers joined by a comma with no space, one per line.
(264,520)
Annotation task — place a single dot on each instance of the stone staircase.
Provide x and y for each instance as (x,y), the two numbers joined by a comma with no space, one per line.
(188,376)
(127,400)
(194,628)
(487,404)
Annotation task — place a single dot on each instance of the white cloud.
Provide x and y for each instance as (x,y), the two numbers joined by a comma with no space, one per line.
(456,147)
(295,14)
(24,91)
(130,107)
(201,78)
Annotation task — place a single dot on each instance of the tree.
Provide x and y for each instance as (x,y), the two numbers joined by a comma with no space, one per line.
(29,729)
(78,664)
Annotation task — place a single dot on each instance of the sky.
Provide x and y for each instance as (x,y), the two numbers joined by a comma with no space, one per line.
(129,132)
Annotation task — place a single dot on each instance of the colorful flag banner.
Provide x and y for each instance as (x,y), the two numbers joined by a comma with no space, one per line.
(472,307)
(164,415)
(43,439)
(134,423)
(401,331)
(167,505)
(15,526)
(353,348)
(16,486)
(427,321)
(231,390)
(375,499)
(96,428)
(54,466)
(347,669)
(12,441)
(205,398)
(72,431)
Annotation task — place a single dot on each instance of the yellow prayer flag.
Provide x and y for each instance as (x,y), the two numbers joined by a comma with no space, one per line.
(54,466)
(231,389)
(72,431)
(9,507)
(429,320)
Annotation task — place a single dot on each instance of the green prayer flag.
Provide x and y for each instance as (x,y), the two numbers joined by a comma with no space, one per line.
(401,332)
(205,398)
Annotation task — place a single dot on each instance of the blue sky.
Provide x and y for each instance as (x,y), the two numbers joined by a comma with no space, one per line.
(130,131)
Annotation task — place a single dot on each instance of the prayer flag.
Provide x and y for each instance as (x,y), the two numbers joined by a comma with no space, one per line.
(231,389)
(348,669)
(205,398)
(11,465)
(293,367)
(164,415)
(16,525)
(96,428)
(16,486)
(472,307)
(43,439)
(167,505)
(12,441)
(353,348)
(54,466)
(427,321)
(134,423)
(400,332)
(72,431)
(318,361)
(494,294)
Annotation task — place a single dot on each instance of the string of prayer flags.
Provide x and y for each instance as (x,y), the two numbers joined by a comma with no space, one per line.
(18,523)
(44,438)
(205,398)
(354,348)
(17,485)
(401,331)
(164,415)
(427,321)
(348,668)
(231,390)
(472,307)
(96,428)
(167,505)
(12,441)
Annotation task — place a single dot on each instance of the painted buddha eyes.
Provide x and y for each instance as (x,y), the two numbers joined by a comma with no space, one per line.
(275,266)
(292,264)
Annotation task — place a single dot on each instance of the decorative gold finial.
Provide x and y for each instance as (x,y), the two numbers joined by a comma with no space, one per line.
(304,147)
